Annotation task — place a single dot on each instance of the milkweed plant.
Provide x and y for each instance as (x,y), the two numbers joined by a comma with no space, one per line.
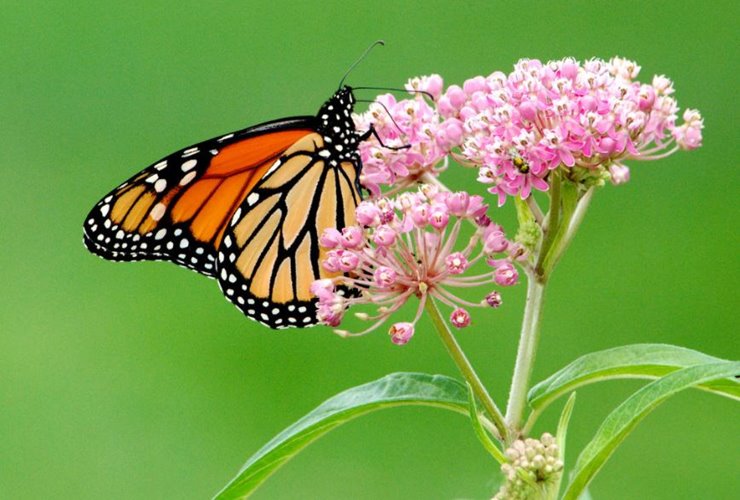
(564,129)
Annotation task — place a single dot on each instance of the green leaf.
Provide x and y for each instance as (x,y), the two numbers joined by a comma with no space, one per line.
(620,422)
(562,433)
(631,361)
(563,423)
(396,389)
(485,439)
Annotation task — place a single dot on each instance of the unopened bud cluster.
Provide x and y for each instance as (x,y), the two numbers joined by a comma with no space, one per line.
(533,467)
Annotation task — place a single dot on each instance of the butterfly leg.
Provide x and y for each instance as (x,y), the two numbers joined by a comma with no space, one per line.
(374,133)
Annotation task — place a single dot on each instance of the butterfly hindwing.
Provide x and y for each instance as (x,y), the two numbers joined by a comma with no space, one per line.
(270,253)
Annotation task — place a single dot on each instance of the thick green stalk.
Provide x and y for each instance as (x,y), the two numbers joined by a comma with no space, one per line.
(565,215)
(528,340)
(466,369)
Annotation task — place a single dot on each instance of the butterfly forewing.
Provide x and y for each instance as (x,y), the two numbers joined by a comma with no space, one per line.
(177,208)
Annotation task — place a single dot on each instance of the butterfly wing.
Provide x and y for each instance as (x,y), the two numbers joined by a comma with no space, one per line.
(270,251)
(178,208)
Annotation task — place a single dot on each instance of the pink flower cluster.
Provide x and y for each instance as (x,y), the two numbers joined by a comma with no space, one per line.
(408,246)
(410,124)
(518,127)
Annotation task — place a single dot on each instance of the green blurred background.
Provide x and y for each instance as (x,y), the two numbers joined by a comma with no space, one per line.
(141,381)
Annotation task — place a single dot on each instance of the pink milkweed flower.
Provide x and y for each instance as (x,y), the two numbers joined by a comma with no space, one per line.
(688,135)
(385,277)
(330,238)
(493,299)
(412,125)
(519,127)
(405,252)
(401,333)
(506,274)
(460,318)
(619,174)
(456,263)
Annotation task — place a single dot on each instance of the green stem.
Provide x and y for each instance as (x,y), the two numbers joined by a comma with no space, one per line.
(466,369)
(551,226)
(563,220)
(528,340)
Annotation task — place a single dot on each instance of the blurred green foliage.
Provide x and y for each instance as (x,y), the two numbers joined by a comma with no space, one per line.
(141,381)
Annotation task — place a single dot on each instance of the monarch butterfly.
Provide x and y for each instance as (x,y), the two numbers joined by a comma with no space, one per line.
(246,208)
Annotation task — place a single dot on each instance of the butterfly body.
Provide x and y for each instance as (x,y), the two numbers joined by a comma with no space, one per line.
(246,208)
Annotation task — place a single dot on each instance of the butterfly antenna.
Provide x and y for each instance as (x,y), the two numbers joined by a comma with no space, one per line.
(359,60)
(410,91)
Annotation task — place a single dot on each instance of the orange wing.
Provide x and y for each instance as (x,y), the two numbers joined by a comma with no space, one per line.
(270,253)
(178,208)
(248,207)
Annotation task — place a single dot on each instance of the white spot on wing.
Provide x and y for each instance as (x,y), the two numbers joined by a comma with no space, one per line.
(273,167)
(252,199)
(160,185)
(186,180)
(158,211)
(236,216)
(188,165)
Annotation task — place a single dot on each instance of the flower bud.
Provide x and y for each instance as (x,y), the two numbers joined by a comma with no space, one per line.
(347,260)
(619,174)
(460,318)
(456,95)
(401,333)
(323,289)
(384,277)
(352,237)
(473,85)
(476,208)
(449,134)
(647,97)
(328,316)
(438,216)
(384,236)
(420,215)
(330,238)
(506,274)
(494,241)
(331,262)
(458,203)
(494,300)
(367,214)
(569,68)
(456,263)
